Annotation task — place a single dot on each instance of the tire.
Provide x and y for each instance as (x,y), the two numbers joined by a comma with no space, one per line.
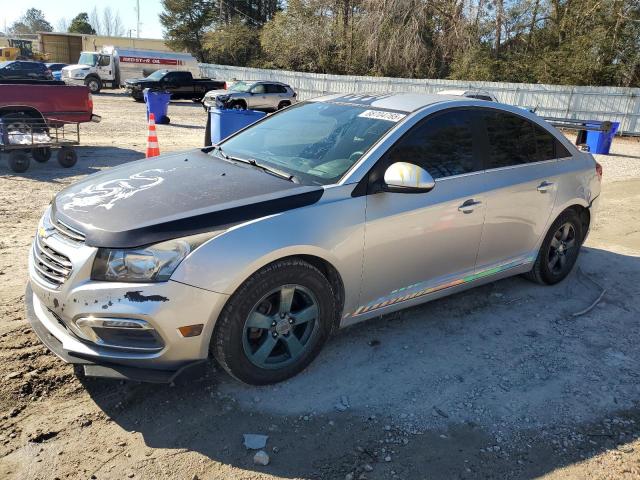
(139,99)
(67,157)
(558,255)
(236,345)
(284,104)
(41,154)
(238,105)
(19,161)
(94,84)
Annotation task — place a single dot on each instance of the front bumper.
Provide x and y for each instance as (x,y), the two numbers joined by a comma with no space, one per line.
(73,81)
(164,306)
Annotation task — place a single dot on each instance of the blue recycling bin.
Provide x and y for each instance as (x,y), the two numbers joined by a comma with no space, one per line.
(224,122)
(157,103)
(599,141)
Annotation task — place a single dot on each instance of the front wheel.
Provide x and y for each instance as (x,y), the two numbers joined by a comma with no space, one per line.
(19,161)
(93,84)
(275,324)
(559,251)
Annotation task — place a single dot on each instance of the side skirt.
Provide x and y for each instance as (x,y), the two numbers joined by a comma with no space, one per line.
(355,317)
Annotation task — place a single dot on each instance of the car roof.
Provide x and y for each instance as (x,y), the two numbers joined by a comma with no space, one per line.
(401,102)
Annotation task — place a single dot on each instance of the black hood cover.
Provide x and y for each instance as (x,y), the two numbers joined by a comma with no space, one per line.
(172,196)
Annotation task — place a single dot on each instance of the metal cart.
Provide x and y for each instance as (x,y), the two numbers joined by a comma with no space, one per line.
(21,136)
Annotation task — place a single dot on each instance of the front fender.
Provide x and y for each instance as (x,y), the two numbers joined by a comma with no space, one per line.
(332,230)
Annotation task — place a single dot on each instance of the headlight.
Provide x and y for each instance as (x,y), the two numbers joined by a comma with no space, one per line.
(79,75)
(153,263)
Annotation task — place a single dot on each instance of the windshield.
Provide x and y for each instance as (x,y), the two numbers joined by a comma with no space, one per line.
(240,87)
(157,75)
(4,64)
(315,141)
(87,58)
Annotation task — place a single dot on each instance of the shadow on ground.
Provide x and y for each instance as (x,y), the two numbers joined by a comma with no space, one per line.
(505,365)
(91,159)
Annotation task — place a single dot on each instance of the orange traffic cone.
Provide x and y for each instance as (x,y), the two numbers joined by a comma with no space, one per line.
(153,150)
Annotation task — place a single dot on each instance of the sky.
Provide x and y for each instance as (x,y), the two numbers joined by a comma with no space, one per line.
(54,10)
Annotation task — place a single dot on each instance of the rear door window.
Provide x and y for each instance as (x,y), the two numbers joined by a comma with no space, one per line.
(444,144)
(514,140)
(271,88)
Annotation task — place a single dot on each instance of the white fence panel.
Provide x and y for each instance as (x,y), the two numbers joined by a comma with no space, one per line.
(616,104)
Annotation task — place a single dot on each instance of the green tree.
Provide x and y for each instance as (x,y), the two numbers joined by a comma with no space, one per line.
(32,21)
(185,24)
(234,43)
(80,24)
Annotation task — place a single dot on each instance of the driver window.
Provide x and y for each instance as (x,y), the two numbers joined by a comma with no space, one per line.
(443,145)
(104,61)
(258,88)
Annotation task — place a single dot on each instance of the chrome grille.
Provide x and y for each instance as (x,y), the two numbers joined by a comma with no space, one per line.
(52,266)
(67,232)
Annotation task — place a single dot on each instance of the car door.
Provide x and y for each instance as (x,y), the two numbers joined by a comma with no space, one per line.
(522,177)
(421,241)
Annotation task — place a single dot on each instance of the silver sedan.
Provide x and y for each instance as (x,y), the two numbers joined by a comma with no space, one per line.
(328,213)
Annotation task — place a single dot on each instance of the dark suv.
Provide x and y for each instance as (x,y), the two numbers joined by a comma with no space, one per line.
(24,70)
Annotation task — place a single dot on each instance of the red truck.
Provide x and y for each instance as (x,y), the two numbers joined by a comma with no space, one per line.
(36,116)
(48,101)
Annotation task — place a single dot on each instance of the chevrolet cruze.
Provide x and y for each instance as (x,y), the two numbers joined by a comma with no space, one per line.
(328,213)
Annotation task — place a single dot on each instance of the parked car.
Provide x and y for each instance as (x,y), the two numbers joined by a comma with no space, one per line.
(181,85)
(24,70)
(327,213)
(260,95)
(56,69)
(479,94)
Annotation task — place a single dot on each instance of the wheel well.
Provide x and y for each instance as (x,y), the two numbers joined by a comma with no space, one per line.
(330,272)
(26,110)
(585,217)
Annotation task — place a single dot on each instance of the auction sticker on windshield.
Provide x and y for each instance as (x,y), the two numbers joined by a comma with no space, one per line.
(382,115)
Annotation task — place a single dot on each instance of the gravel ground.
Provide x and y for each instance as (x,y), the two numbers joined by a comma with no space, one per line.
(497,382)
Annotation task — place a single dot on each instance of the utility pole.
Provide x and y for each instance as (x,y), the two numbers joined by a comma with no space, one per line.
(138,18)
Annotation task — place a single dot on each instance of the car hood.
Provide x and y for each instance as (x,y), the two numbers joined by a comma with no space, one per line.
(215,93)
(78,66)
(172,196)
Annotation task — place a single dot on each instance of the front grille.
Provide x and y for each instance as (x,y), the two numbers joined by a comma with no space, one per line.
(65,74)
(67,232)
(52,266)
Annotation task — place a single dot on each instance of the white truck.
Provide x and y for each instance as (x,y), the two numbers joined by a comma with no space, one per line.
(110,67)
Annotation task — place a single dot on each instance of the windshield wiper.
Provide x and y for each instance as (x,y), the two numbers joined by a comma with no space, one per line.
(252,162)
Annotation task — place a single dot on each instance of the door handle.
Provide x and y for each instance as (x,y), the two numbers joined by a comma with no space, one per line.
(545,186)
(469,206)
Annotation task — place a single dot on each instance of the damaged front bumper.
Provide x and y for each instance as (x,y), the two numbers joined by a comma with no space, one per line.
(123,330)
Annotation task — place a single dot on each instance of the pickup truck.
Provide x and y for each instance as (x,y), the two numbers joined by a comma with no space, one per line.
(48,101)
(181,85)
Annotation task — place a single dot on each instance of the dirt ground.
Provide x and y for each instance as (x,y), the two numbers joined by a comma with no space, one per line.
(497,382)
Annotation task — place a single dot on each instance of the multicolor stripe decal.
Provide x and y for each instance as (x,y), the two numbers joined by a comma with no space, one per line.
(397,297)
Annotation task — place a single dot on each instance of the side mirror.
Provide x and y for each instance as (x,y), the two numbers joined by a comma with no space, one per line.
(403,177)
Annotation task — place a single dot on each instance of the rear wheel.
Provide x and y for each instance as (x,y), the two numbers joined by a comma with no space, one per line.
(275,324)
(283,104)
(559,250)
(41,154)
(19,161)
(67,157)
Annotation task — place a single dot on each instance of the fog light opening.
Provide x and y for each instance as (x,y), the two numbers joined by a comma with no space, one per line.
(191,330)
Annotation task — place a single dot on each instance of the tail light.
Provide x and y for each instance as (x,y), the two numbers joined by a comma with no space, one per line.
(599,171)
(294,95)
(226,87)
(90,103)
